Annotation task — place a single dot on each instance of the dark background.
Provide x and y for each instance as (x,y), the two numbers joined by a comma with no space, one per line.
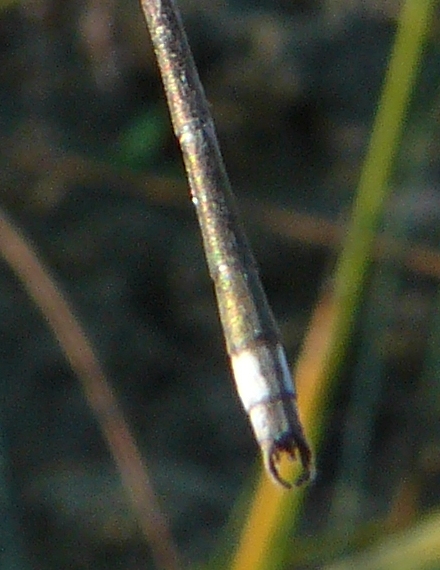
(91,173)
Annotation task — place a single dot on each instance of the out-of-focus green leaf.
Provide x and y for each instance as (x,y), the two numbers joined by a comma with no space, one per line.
(141,142)
(417,548)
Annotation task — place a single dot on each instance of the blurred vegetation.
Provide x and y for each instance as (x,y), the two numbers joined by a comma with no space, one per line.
(91,174)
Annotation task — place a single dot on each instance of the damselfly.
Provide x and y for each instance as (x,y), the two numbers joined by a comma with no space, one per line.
(253,342)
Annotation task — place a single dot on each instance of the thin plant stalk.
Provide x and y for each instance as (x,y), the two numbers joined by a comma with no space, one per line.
(252,338)
(271,517)
(46,295)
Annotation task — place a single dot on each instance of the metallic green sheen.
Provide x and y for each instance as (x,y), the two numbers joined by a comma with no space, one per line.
(246,317)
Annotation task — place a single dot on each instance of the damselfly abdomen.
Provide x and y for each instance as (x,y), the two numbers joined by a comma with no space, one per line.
(252,338)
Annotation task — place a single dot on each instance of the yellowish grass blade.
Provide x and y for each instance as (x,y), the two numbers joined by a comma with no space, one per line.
(273,514)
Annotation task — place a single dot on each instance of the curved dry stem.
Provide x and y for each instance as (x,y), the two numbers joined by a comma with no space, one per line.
(35,278)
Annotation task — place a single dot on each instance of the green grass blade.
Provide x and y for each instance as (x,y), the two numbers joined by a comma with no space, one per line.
(373,185)
(273,552)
